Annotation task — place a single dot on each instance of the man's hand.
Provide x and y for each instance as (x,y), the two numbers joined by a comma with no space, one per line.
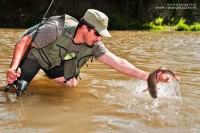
(12,75)
(162,78)
(71,82)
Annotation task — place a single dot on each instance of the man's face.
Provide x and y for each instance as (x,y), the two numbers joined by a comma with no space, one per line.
(92,36)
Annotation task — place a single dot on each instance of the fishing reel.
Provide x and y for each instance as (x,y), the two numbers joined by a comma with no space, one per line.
(19,86)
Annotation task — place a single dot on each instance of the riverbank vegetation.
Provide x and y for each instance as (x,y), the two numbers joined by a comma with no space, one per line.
(181,25)
(180,15)
(159,24)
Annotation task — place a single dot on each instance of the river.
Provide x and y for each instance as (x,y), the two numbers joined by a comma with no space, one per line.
(106,101)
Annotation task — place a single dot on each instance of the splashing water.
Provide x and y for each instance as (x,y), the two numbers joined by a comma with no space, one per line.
(130,95)
(171,89)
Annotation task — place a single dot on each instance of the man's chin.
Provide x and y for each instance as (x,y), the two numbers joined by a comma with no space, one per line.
(90,45)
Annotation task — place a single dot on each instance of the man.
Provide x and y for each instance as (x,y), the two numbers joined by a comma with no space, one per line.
(63,45)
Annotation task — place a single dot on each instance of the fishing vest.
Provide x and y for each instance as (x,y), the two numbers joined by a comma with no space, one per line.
(63,50)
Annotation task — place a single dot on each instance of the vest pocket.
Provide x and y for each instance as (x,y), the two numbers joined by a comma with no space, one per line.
(70,69)
(42,57)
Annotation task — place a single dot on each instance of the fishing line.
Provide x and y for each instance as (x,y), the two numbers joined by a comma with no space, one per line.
(56,7)
(47,10)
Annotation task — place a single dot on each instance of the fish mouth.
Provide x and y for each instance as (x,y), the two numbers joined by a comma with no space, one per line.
(153,95)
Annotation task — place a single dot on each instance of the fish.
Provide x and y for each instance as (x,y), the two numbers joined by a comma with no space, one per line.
(153,80)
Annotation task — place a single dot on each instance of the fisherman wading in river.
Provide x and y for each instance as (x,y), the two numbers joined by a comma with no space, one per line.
(62,46)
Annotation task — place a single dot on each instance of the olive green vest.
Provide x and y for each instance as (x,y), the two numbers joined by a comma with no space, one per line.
(63,50)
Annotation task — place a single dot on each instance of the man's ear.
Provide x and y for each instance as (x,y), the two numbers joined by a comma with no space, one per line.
(84,28)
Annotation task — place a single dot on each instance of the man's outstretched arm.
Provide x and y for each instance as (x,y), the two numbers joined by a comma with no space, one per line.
(122,66)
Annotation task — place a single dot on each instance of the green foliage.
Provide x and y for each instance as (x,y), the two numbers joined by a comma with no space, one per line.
(157,27)
(156,24)
(182,26)
(159,21)
(172,21)
(138,26)
(120,22)
(195,27)
(152,26)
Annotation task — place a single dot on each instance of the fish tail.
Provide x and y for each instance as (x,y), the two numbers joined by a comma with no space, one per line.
(152,92)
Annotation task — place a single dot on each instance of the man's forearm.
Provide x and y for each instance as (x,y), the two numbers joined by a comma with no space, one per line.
(127,68)
(122,66)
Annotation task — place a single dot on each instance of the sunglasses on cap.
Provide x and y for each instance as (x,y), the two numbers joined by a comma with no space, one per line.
(89,26)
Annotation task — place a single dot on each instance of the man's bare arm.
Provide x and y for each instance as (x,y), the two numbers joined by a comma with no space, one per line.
(18,54)
(122,66)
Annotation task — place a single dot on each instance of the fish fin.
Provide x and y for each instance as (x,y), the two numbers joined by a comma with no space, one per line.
(177,78)
(145,90)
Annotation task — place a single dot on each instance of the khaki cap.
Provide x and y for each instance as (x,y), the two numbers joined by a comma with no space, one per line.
(99,20)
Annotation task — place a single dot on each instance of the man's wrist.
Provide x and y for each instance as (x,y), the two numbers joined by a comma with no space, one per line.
(13,68)
(143,75)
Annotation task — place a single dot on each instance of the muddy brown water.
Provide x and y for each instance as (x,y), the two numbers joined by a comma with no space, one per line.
(106,101)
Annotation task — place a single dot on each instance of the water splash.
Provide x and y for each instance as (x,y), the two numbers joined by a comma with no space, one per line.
(171,89)
(129,94)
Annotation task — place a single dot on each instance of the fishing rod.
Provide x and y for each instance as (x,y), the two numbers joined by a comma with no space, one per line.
(20,86)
